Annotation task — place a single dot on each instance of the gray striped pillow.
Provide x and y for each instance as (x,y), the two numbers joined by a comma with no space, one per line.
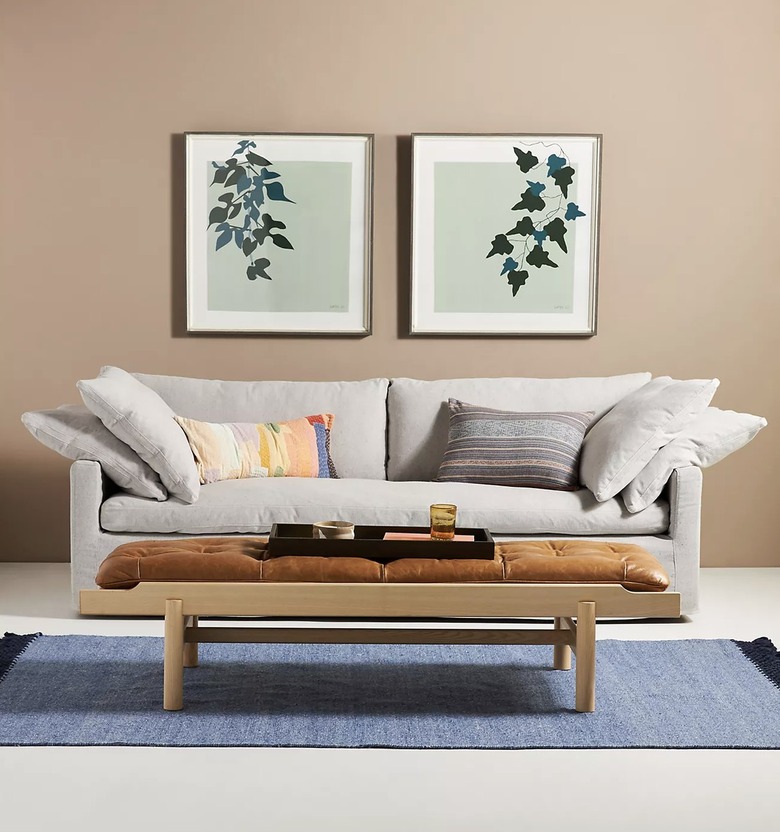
(498,447)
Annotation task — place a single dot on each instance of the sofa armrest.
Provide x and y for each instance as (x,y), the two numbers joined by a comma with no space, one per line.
(684,531)
(88,489)
(88,485)
(685,502)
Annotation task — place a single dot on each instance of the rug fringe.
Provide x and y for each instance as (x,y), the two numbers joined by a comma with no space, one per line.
(764,655)
(11,647)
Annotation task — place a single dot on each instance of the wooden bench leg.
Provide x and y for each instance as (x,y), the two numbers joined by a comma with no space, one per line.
(191,647)
(561,652)
(585,700)
(173,665)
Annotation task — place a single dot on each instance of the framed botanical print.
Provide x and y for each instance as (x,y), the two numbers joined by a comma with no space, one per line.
(279,233)
(505,234)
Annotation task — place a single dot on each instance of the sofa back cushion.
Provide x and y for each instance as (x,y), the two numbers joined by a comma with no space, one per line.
(358,437)
(419,417)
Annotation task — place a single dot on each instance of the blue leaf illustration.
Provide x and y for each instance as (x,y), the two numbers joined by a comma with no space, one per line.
(242,184)
(276,191)
(554,163)
(535,187)
(573,211)
(539,235)
(509,265)
(224,238)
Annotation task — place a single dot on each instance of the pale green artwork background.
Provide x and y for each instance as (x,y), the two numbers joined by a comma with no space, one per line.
(314,276)
(472,203)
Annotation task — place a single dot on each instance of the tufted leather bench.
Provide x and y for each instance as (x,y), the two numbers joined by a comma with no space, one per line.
(241,560)
(568,580)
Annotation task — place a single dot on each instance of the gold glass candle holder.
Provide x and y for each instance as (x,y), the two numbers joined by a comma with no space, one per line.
(443,521)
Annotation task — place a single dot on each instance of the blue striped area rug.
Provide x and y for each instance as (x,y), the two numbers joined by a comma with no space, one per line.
(94,690)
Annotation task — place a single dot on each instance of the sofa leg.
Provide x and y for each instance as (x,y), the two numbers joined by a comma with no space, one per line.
(173,664)
(585,700)
(561,652)
(191,647)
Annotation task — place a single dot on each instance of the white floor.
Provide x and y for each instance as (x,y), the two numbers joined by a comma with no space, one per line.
(322,790)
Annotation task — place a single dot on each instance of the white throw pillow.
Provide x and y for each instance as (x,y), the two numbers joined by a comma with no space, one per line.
(623,441)
(708,439)
(76,433)
(139,417)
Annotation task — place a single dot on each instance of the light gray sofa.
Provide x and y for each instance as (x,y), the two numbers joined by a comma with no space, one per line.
(387,441)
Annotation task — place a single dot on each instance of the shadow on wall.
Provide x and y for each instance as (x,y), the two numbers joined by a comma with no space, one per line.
(34,496)
(404,233)
(178,237)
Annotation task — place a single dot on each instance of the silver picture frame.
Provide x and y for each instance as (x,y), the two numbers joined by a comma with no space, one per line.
(578,156)
(254,244)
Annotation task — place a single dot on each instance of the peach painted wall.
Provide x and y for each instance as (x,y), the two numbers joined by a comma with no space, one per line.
(96,96)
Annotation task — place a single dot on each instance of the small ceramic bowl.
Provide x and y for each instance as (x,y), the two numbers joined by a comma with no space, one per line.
(334,529)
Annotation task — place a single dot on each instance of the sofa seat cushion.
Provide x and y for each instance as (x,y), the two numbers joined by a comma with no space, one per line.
(242,560)
(251,506)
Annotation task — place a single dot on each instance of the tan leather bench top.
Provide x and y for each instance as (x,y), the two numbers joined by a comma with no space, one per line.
(246,559)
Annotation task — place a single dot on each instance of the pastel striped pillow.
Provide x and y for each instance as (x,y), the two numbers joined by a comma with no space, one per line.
(239,450)
(498,447)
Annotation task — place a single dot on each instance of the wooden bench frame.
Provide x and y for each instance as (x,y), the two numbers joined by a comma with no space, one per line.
(573,607)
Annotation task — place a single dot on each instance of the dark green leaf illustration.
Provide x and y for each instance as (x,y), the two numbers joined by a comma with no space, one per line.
(525,226)
(236,175)
(501,246)
(257,269)
(563,178)
(525,159)
(516,279)
(220,175)
(276,191)
(556,231)
(247,172)
(539,257)
(545,218)
(254,159)
(281,241)
(264,232)
(218,214)
(529,201)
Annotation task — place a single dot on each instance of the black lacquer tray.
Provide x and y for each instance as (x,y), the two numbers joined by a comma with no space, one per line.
(298,539)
